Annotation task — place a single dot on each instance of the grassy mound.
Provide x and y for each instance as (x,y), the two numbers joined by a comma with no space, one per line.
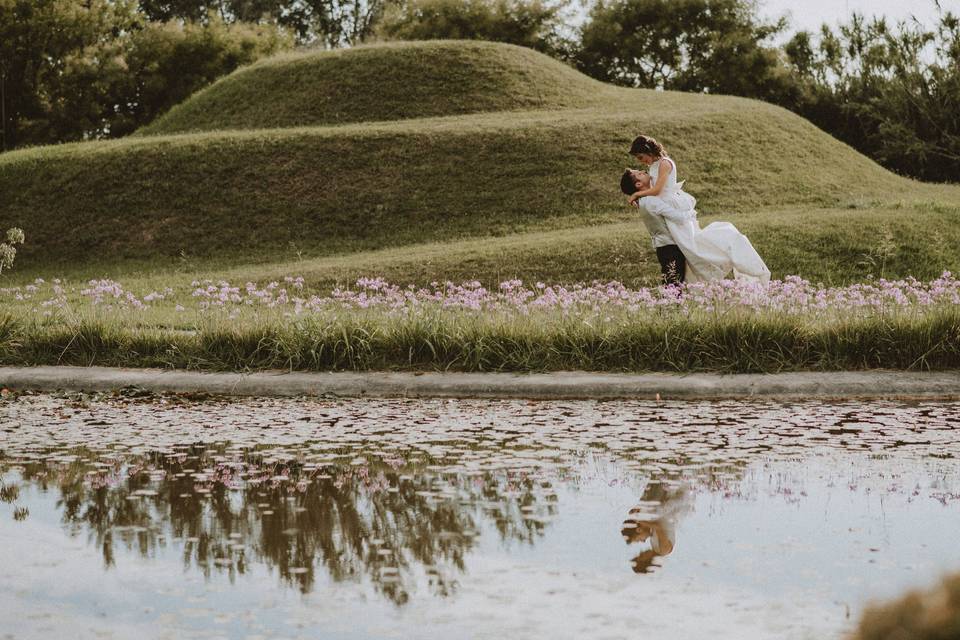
(546,176)
(324,191)
(385,82)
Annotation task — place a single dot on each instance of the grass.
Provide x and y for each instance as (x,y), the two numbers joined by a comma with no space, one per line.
(334,87)
(458,161)
(718,327)
(846,245)
(260,196)
(734,343)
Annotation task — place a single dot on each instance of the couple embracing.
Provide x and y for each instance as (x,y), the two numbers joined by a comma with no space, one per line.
(686,252)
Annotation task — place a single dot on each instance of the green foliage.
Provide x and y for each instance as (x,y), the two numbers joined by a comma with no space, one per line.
(529,23)
(48,49)
(716,46)
(8,248)
(193,10)
(893,93)
(337,23)
(167,62)
(331,23)
(78,69)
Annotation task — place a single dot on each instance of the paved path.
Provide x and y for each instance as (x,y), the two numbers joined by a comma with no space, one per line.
(562,385)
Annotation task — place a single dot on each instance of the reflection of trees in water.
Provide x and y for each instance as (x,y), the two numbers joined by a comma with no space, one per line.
(353,518)
(397,520)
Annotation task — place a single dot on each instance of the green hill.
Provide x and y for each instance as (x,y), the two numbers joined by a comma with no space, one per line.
(386,82)
(453,142)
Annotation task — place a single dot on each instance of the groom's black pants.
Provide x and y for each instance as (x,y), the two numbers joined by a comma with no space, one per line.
(672,263)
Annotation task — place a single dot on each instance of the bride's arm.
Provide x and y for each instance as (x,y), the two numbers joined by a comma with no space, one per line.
(655,190)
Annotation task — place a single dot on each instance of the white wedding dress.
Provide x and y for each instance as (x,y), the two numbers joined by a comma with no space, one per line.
(713,252)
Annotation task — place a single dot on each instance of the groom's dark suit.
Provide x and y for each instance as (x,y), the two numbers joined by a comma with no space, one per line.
(672,263)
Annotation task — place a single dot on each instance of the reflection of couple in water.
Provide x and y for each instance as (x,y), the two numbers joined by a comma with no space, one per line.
(653,525)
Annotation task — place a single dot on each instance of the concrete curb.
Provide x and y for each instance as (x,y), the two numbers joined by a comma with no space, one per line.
(553,386)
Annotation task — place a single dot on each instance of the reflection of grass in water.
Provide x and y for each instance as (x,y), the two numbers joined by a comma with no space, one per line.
(931,615)
(9,493)
(377,340)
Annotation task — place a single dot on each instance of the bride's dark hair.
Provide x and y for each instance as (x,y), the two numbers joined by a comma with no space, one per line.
(646,144)
(627,183)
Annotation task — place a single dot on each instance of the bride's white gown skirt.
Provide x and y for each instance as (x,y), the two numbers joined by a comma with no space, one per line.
(712,253)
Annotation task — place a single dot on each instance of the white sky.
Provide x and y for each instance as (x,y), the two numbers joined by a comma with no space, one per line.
(810,14)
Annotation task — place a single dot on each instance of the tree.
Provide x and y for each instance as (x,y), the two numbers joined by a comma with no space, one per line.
(332,23)
(892,93)
(337,23)
(535,24)
(167,62)
(78,69)
(192,10)
(717,46)
(39,40)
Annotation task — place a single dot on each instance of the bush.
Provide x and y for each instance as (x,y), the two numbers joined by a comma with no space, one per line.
(8,249)
(167,62)
(934,615)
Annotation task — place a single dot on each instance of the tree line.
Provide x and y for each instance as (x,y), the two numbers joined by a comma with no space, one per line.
(82,69)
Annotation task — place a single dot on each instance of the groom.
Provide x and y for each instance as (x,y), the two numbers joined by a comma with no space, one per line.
(672,263)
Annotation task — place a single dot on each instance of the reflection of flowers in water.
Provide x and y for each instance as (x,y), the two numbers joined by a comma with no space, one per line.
(361,475)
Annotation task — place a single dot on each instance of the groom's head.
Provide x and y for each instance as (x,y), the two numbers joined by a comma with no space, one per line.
(632,181)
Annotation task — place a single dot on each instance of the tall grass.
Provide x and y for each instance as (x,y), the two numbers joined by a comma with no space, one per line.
(357,340)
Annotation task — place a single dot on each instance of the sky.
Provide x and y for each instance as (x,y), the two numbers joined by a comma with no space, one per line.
(810,14)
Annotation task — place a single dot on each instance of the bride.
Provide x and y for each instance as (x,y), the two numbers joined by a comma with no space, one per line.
(711,253)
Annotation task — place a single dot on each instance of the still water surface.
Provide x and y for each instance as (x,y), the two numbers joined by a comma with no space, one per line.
(164,517)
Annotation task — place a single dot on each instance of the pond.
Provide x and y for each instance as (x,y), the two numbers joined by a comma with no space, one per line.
(175,517)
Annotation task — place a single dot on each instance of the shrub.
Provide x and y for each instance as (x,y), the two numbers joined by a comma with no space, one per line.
(8,249)
(932,615)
